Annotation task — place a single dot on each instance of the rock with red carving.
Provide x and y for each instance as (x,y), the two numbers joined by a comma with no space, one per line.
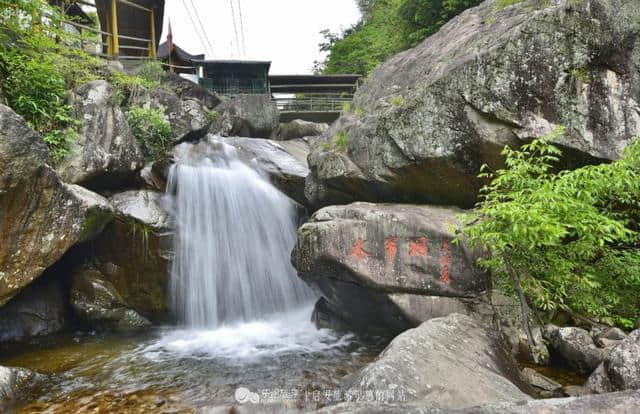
(384,268)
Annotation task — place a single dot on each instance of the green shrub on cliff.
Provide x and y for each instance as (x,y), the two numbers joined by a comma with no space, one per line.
(38,65)
(152,131)
(566,240)
(387,27)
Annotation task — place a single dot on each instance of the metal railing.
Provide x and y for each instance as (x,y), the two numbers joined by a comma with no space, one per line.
(113,36)
(312,104)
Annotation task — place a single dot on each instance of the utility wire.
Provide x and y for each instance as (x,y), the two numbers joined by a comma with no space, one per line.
(235,27)
(244,46)
(202,26)
(194,26)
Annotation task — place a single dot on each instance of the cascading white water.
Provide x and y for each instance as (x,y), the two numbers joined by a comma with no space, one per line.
(234,236)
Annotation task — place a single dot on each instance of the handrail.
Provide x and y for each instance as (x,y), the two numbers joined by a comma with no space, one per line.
(177,66)
(312,104)
(92,29)
(137,39)
(134,47)
(134,5)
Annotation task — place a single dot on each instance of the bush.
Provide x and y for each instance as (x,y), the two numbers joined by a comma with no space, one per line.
(126,86)
(570,238)
(152,131)
(339,142)
(212,116)
(37,67)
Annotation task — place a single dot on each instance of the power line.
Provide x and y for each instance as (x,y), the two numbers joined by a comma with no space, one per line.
(235,28)
(244,47)
(194,25)
(202,27)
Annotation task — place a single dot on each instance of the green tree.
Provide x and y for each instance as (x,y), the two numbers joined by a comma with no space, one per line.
(387,27)
(565,240)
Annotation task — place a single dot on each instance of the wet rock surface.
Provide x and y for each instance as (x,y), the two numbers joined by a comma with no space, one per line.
(133,252)
(98,303)
(282,162)
(15,383)
(546,387)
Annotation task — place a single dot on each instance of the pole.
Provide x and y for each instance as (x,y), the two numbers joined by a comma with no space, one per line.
(115,51)
(152,44)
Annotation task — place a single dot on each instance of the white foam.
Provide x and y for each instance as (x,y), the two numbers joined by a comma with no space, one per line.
(280,334)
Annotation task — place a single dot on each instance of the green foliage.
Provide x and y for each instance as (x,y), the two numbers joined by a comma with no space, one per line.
(126,86)
(339,142)
(388,27)
(397,101)
(570,236)
(38,64)
(212,116)
(581,74)
(152,131)
(60,141)
(501,4)
(151,73)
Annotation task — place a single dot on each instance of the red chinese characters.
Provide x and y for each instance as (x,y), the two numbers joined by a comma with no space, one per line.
(445,262)
(418,247)
(358,250)
(391,247)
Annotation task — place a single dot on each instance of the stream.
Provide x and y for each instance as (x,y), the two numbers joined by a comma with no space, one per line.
(284,359)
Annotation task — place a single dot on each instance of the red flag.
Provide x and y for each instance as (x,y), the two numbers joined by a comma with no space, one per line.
(170,39)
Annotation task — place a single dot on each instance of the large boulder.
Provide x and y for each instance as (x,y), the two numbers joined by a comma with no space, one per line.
(428,118)
(384,268)
(185,89)
(283,163)
(189,118)
(15,385)
(449,362)
(623,363)
(299,128)
(40,217)
(253,116)
(132,253)
(98,303)
(105,154)
(575,347)
(40,309)
(620,370)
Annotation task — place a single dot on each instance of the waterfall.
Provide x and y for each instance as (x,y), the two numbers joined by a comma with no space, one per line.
(234,236)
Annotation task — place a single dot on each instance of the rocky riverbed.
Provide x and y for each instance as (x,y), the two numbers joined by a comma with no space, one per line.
(402,320)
